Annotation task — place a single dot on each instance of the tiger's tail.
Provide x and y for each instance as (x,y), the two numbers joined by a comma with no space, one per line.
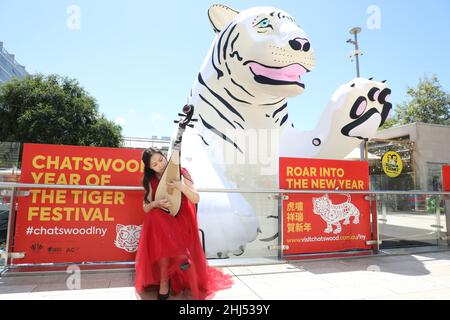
(349,198)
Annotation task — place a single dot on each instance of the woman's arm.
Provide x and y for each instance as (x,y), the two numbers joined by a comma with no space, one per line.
(187,188)
(154,204)
(189,191)
(150,205)
(163,204)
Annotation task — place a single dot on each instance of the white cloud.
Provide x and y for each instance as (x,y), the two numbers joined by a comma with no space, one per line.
(120,121)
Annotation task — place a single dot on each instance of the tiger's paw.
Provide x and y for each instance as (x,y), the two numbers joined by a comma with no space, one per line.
(364,107)
(355,112)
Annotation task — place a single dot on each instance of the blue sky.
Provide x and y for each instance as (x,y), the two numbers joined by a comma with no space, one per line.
(139,59)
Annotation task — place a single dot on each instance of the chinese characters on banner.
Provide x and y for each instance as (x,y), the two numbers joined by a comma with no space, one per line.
(318,223)
(79,225)
(446,178)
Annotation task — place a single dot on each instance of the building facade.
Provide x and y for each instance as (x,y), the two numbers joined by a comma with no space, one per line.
(430,152)
(9,67)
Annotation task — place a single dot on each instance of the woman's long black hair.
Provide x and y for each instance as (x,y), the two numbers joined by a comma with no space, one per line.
(148,173)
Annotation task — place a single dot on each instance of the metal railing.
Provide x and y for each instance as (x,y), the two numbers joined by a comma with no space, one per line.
(15,185)
(13,189)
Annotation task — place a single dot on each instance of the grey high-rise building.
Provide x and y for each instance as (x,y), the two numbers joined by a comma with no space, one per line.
(9,67)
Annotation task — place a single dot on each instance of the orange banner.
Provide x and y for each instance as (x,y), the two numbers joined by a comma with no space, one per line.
(76,225)
(318,223)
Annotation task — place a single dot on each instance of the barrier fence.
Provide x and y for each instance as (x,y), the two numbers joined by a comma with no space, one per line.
(295,224)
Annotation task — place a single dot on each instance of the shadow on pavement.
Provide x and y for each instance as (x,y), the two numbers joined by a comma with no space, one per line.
(408,265)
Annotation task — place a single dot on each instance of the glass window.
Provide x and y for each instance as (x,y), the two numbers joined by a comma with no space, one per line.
(434,176)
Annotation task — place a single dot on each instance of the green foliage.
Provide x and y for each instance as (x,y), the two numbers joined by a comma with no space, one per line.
(390,122)
(54,110)
(427,103)
(432,204)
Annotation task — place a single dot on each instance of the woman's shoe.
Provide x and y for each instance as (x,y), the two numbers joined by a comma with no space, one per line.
(164,296)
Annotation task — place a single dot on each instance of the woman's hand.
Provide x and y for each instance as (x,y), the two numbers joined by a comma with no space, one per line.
(176,184)
(162,204)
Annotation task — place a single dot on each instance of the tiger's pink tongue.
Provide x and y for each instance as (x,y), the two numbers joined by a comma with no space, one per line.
(290,73)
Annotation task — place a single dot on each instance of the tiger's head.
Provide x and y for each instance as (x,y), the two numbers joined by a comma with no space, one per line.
(127,237)
(321,205)
(262,48)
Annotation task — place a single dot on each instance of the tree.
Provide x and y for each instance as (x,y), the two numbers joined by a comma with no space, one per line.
(428,103)
(54,110)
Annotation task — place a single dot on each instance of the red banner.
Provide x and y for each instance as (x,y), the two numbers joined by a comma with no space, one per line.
(76,225)
(318,223)
(446,178)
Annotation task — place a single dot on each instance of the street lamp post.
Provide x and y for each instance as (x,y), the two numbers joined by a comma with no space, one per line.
(356,54)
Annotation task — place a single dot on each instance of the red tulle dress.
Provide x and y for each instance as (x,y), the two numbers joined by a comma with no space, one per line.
(176,238)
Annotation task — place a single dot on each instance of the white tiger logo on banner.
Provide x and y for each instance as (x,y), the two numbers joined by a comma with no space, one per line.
(333,214)
(258,60)
(127,237)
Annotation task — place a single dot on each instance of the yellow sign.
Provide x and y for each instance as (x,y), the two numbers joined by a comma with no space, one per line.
(392,164)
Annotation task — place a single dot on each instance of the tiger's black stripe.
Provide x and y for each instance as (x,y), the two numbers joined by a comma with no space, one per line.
(226,42)
(220,134)
(237,84)
(239,125)
(219,72)
(203,139)
(224,102)
(234,98)
(279,110)
(272,104)
(234,40)
(284,119)
(235,53)
(218,112)
(219,43)
(228,68)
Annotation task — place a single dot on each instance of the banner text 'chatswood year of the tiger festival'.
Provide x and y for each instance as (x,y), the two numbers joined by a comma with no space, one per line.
(79,225)
(319,223)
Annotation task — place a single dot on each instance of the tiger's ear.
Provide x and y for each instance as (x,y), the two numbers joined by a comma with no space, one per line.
(220,16)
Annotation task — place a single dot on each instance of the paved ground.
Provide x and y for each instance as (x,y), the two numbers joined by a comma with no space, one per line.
(402,277)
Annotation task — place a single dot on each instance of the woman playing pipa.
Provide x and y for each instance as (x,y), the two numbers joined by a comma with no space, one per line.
(170,254)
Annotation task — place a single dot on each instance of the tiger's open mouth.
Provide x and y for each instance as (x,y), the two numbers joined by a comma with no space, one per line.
(288,75)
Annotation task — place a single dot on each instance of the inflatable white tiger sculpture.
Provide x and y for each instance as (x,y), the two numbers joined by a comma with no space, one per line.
(257,60)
